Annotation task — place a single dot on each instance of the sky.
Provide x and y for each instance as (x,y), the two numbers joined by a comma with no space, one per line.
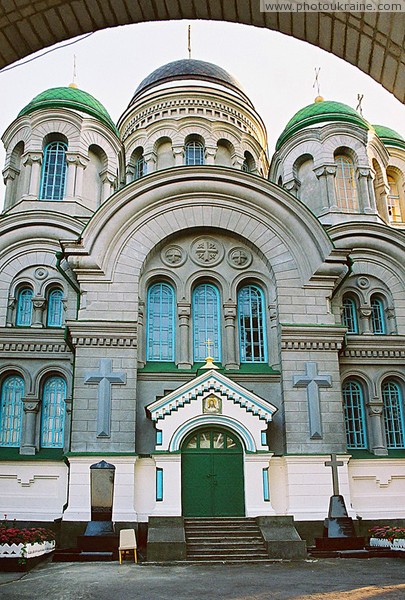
(276,71)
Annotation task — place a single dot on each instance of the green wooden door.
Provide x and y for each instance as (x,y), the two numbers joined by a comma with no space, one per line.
(212,475)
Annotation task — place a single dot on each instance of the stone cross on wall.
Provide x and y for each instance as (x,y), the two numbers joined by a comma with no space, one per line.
(334,463)
(104,377)
(312,381)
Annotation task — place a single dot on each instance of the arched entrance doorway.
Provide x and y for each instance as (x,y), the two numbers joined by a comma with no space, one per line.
(212,474)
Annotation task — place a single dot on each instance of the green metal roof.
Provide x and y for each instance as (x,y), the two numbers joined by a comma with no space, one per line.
(389,137)
(319,112)
(70,97)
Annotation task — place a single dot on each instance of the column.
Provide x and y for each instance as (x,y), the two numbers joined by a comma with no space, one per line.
(39,304)
(150,160)
(375,410)
(365,314)
(107,181)
(326,175)
(74,176)
(10,176)
(178,153)
(141,334)
(237,161)
(230,335)
(10,318)
(292,186)
(210,152)
(34,161)
(184,312)
(363,175)
(30,409)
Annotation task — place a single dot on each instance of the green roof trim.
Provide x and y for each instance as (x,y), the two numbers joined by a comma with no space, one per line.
(73,98)
(320,112)
(43,454)
(389,137)
(170,367)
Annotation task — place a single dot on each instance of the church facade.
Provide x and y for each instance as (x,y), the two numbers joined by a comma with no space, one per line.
(210,321)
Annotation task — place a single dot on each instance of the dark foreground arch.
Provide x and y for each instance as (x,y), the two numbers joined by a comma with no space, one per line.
(374,42)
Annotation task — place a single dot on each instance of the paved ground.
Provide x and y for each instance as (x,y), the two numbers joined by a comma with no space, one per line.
(325,579)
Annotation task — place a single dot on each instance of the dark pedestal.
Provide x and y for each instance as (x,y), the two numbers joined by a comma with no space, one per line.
(338,531)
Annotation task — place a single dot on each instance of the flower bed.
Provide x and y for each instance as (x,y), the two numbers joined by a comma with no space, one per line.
(26,551)
(388,536)
(23,546)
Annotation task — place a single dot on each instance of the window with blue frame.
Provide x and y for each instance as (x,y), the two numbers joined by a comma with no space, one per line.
(349,315)
(53,412)
(54,316)
(393,411)
(377,315)
(252,325)
(12,392)
(194,153)
(206,322)
(160,338)
(24,307)
(354,412)
(53,176)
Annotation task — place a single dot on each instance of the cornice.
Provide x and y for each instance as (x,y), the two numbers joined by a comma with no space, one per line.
(369,348)
(312,337)
(103,333)
(32,340)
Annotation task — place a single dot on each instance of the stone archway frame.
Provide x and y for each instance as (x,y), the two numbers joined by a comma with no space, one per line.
(131,223)
(374,42)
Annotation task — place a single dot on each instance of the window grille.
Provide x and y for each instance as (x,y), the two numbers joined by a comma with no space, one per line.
(194,153)
(354,415)
(206,322)
(394,201)
(53,413)
(55,309)
(140,167)
(53,176)
(160,323)
(377,316)
(345,184)
(349,315)
(252,327)
(12,392)
(393,415)
(24,307)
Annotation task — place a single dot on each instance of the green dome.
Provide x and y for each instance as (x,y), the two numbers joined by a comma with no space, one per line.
(389,137)
(69,97)
(319,112)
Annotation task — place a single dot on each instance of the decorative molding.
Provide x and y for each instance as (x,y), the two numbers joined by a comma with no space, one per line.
(14,339)
(206,251)
(102,333)
(312,337)
(374,347)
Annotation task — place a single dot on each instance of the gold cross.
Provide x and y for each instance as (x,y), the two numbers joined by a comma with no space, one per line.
(209,343)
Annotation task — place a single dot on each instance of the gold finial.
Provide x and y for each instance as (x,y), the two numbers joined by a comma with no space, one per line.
(189,41)
(209,361)
(317,85)
(359,107)
(74,84)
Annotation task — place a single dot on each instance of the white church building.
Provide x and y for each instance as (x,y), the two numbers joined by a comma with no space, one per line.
(131,252)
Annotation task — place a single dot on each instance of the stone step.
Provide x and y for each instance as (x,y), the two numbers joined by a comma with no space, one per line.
(227,557)
(235,539)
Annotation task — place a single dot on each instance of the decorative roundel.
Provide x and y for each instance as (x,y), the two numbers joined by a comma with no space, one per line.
(41,273)
(206,251)
(363,282)
(239,257)
(173,256)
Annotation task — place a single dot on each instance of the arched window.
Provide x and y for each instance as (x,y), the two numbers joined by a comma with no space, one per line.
(53,174)
(393,414)
(355,421)
(24,307)
(349,315)
(194,153)
(160,323)
(377,315)
(206,322)
(12,392)
(394,200)
(345,184)
(54,317)
(248,165)
(53,412)
(140,167)
(252,326)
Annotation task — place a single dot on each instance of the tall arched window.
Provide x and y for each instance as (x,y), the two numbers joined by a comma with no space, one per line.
(394,200)
(53,174)
(345,184)
(393,414)
(194,153)
(206,322)
(54,317)
(12,392)
(53,412)
(160,323)
(24,307)
(349,315)
(355,421)
(252,326)
(377,315)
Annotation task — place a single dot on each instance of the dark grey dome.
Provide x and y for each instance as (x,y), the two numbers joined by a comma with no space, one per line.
(189,69)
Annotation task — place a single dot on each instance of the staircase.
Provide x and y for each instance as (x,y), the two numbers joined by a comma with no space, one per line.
(224,539)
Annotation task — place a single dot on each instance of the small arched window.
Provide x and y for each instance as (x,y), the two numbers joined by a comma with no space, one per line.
(53,412)
(194,153)
(377,315)
(345,184)
(394,200)
(54,316)
(140,167)
(206,322)
(248,165)
(355,421)
(349,315)
(53,176)
(252,326)
(12,392)
(24,307)
(160,341)
(393,414)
